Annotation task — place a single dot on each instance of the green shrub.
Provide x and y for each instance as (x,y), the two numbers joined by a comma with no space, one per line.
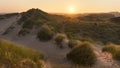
(45,34)
(110,48)
(82,55)
(114,50)
(97,31)
(59,38)
(28,24)
(15,56)
(117,55)
(72,43)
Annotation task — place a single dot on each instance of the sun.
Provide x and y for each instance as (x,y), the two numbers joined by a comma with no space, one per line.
(71,10)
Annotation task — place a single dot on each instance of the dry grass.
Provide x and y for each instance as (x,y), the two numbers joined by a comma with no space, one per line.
(13,56)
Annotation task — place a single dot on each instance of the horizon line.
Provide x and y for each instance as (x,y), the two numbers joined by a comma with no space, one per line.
(64,12)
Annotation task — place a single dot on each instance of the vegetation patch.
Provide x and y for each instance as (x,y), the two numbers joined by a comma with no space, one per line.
(82,54)
(116,20)
(73,43)
(14,56)
(59,39)
(103,27)
(45,33)
(98,31)
(110,48)
(114,50)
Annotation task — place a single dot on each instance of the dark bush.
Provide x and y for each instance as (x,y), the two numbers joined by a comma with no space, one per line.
(82,55)
(72,43)
(28,24)
(110,48)
(117,55)
(59,38)
(114,50)
(116,20)
(45,34)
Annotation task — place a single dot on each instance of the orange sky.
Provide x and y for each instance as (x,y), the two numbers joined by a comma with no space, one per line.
(60,6)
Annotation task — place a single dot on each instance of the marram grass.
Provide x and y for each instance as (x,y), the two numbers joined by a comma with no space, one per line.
(14,56)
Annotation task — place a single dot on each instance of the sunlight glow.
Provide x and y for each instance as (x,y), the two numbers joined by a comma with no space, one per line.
(72,10)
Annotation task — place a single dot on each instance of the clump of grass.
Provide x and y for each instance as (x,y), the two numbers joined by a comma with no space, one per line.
(45,33)
(117,55)
(15,56)
(59,39)
(113,49)
(82,54)
(110,48)
(73,43)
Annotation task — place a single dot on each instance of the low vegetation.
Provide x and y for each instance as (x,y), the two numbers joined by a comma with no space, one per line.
(73,43)
(104,32)
(117,55)
(36,18)
(116,20)
(82,54)
(110,48)
(97,17)
(45,33)
(114,50)
(101,27)
(13,56)
(59,40)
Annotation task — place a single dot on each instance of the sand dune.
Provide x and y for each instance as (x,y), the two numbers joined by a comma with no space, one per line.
(55,56)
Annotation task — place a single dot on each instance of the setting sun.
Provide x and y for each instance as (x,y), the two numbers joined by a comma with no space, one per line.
(71,10)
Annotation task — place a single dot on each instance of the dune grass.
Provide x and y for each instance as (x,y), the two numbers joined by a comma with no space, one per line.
(101,27)
(113,49)
(13,56)
(82,55)
(110,48)
(59,39)
(45,33)
(73,43)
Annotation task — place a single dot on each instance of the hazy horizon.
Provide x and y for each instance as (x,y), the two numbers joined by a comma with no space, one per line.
(54,6)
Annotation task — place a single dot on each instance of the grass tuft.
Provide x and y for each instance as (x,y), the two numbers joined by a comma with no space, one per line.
(15,56)
(82,55)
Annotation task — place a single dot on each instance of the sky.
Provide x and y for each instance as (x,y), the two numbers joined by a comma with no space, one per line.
(60,6)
